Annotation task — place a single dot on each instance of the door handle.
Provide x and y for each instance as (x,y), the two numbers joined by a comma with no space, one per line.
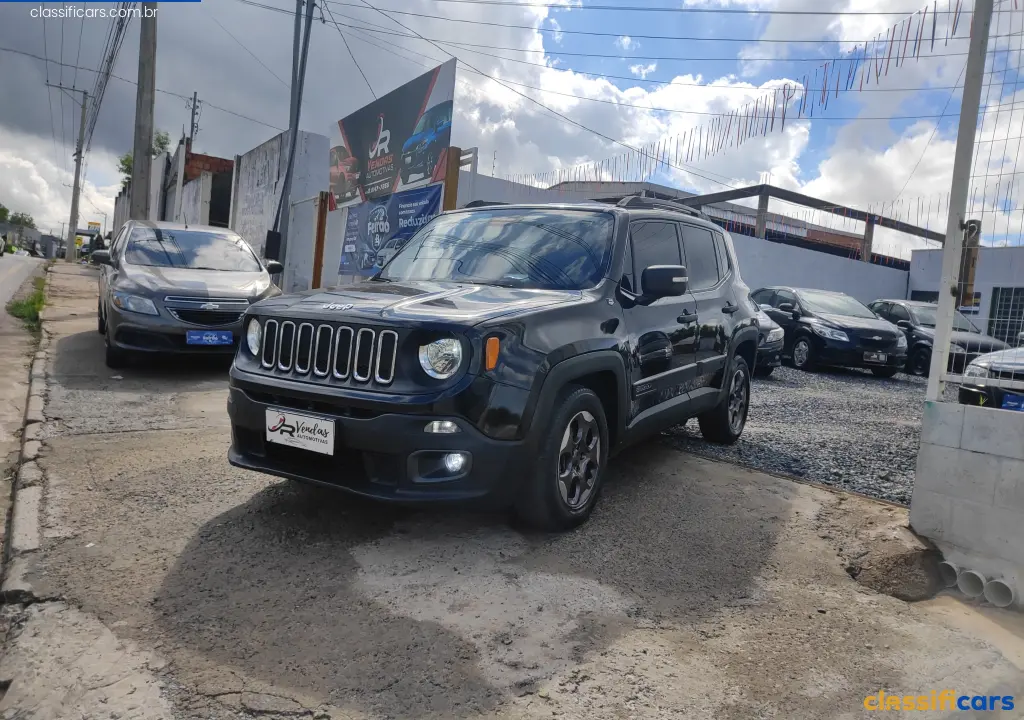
(730,309)
(687,317)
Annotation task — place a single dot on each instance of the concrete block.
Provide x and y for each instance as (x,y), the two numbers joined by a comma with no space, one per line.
(34,412)
(996,432)
(25,526)
(17,587)
(957,473)
(40,355)
(38,369)
(988,531)
(942,424)
(931,514)
(29,474)
(32,431)
(30,450)
(1010,485)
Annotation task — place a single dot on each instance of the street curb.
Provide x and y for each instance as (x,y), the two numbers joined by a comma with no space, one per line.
(24,529)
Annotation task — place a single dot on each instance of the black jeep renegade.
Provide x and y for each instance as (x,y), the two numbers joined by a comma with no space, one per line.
(505,351)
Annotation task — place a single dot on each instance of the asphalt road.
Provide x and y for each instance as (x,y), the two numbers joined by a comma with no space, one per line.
(14,270)
(183,588)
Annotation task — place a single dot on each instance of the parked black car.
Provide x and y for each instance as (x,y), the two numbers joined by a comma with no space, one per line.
(167,288)
(917,320)
(830,328)
(504,352)
(770,341)
(1005,365)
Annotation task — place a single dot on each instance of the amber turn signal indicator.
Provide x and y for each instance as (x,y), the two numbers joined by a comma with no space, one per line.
(491,356)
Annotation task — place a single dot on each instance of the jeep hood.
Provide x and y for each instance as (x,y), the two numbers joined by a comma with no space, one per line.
(416,301)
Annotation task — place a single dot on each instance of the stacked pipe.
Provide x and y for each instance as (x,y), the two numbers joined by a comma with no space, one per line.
(998,591)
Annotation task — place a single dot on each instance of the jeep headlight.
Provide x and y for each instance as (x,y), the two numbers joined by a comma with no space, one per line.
(901,342)
(253,335)
(976,370)
(830,333)
(441,359)
(775,335)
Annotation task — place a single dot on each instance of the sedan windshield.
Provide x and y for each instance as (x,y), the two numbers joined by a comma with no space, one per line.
(531,248)
(192,249)
(833,304)
(925,315)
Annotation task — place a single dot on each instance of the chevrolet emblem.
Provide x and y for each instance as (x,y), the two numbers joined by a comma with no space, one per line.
(209,306)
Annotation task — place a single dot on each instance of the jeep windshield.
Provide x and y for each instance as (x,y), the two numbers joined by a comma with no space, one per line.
(509,247)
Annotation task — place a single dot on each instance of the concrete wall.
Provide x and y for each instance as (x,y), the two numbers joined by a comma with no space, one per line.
(997,267)
(195,200)
(969,488)
(298,270)
(260,175)
(121,211)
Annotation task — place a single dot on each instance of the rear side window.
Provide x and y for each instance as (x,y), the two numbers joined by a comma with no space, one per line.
(627,281)
(701,257)
(723,256)
(763,297)
(654,243)
(784,296)
(898,312)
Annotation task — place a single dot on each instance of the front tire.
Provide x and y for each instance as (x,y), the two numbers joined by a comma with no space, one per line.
(566,481)
(725,423)
(920,362)
(101,322)
(115,358)
(884,372)
(803,354)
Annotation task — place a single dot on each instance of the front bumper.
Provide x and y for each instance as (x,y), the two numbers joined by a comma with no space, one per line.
(163,334)
(770,354)
(843,355)
(377,453)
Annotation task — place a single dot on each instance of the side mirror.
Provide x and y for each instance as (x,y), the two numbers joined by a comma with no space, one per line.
(1020,339)
(100,257)
(664,281)
(766,307)
(274,267)
(786,307)
(904,324)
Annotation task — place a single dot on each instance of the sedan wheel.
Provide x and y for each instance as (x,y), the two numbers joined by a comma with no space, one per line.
(920,362)
(579,459)
(802,354)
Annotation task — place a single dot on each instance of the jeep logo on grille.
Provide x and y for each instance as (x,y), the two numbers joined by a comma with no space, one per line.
(332,306)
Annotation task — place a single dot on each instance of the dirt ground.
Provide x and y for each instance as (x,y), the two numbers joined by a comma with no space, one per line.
(174,586)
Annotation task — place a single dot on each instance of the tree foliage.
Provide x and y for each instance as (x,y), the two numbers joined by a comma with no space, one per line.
(161,144)
(23,220)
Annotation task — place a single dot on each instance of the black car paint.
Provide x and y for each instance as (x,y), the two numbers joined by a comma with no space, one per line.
(920,336)
(1008,365)
(606,337)
(798,325)
(769,354)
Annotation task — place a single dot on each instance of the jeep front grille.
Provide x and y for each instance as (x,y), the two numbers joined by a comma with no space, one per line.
(330,351)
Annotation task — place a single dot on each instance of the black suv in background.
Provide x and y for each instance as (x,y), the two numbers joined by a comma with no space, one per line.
(504,351)
(830,328)
(917,320)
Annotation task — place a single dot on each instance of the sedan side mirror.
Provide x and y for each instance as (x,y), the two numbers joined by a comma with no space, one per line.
(100,257)
(274,267)
(765,307)
(904,325)
(664,281)
(1020,339)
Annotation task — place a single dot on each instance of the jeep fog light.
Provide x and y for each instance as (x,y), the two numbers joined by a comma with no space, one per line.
(441,427)
(454,462)
(253,336)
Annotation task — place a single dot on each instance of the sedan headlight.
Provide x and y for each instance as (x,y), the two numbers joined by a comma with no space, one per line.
(976,370)
(441,358)
(253,336)
(901,342)
(134,303)
(776,334)
(830,333)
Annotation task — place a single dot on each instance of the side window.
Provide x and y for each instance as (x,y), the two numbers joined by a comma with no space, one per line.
(898,312)
(763,297)
(723,256)
(701,257)
(784,296)
(654,243)
(627,282)
(880,308)
(118,243)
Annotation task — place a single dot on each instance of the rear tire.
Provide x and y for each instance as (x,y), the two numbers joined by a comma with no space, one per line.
(884,372)
(566,481)
(724,424)
(803,354)
(920,362)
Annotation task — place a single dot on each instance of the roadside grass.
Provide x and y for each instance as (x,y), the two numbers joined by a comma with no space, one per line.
(27,308)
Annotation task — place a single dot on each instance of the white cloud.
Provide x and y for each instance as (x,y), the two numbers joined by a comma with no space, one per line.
(626,42)
(643,70)
(558,35)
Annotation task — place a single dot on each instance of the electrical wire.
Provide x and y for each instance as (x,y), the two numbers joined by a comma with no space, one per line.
(242,45)
(688,9)
(60,81)
(326,7)
(49,97)
(78,57)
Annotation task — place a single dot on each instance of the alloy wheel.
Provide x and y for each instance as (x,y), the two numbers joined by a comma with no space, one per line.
(738,398)
(801,352)
(919,365)
(579,459)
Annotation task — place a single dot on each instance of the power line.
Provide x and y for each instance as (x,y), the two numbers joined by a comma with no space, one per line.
(63,135)
(81,29)
(326,7)
(689,9)
(241,45)
(49,98)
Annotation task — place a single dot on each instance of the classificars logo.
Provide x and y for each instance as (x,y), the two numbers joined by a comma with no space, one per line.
(380,145)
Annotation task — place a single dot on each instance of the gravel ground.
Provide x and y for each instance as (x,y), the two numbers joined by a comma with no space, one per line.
(845,428)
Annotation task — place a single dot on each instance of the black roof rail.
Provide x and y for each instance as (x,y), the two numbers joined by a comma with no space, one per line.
(637,201)
(484,203)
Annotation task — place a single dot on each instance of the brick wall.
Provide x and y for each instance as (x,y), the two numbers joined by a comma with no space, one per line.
(196,164)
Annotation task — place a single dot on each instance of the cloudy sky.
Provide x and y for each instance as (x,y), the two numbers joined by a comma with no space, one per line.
(604,69)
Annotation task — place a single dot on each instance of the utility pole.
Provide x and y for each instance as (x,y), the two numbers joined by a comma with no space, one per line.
(192,127)
(145,96)
(952,249)
(71,252)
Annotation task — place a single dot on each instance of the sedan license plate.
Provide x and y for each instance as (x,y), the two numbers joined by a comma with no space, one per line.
(1013,401)
(300,431)
(875,357)
(209,337)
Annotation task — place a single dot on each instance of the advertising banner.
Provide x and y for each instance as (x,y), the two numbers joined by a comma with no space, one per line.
(377,229)
(397,142)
